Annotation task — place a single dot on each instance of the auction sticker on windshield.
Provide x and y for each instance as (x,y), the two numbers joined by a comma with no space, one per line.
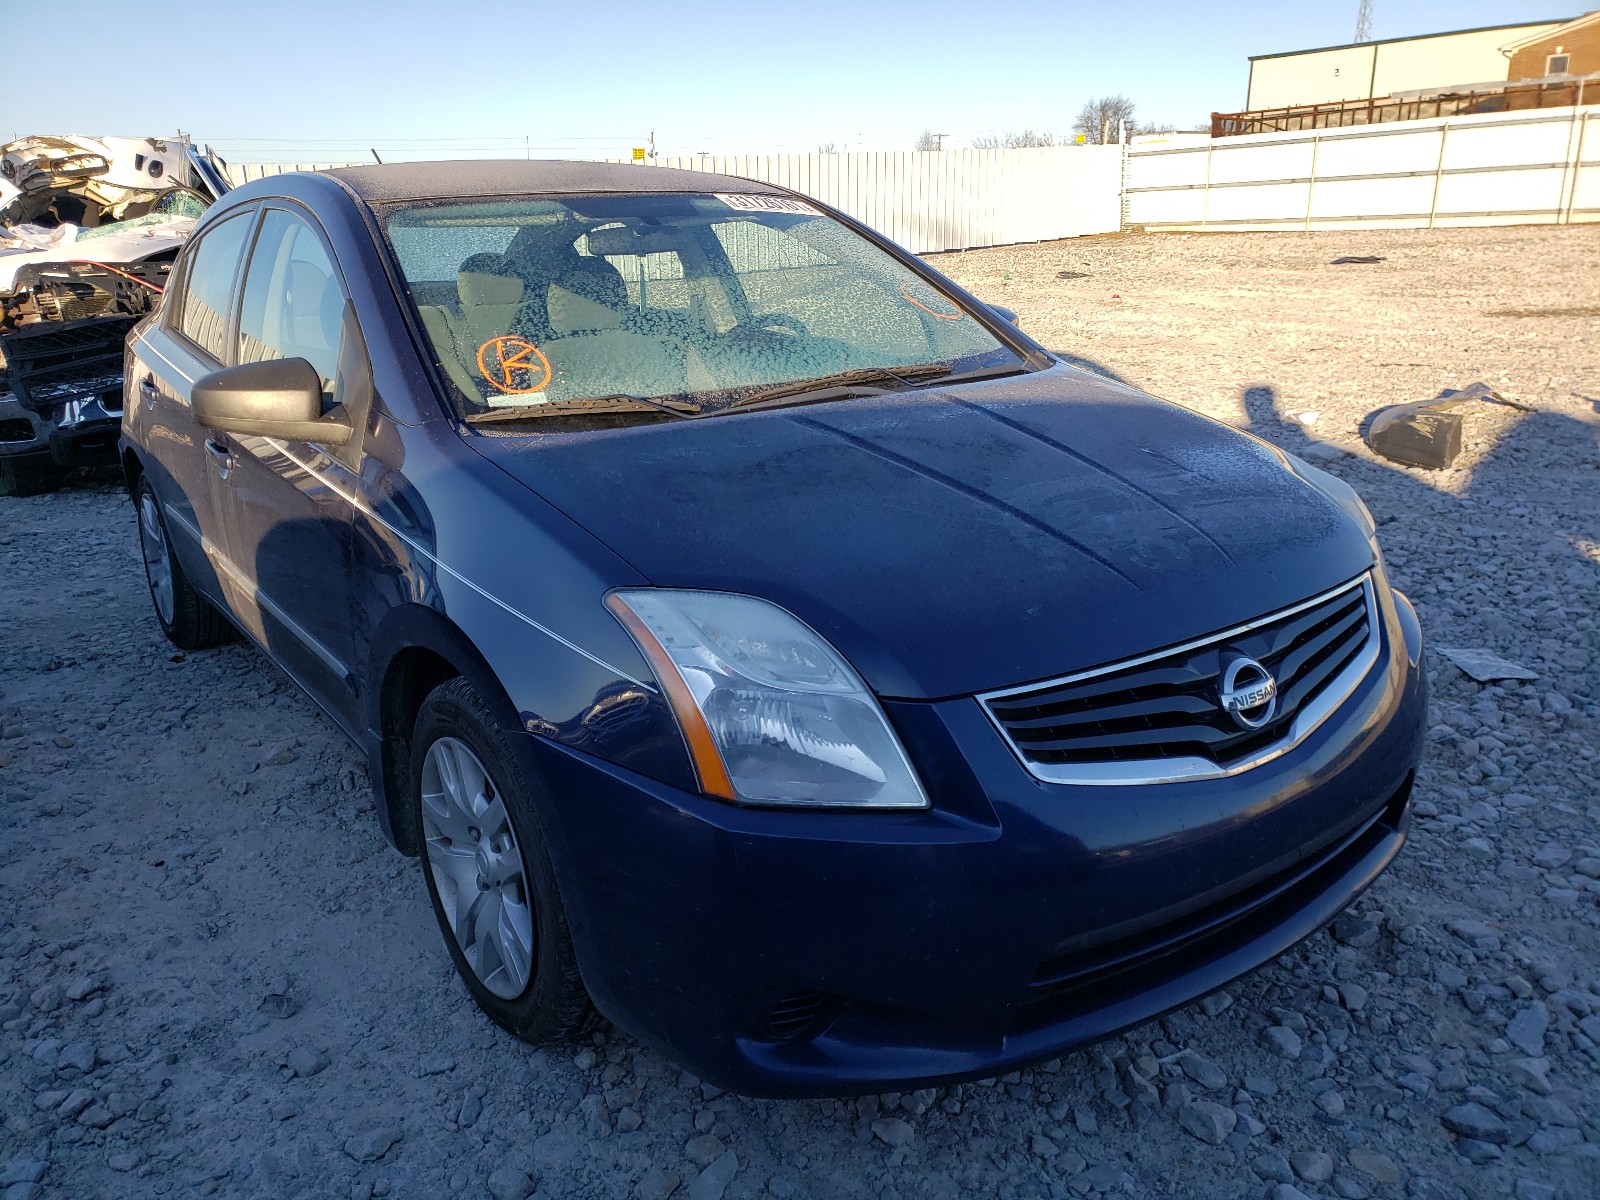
(513,365)
(748,202)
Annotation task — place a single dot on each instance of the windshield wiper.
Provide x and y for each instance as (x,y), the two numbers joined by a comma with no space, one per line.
(578,406)
(839,381)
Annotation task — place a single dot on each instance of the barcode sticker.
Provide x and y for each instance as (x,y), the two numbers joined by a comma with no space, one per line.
(751,202)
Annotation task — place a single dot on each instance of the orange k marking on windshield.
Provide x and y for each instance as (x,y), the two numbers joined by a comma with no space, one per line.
(513,365)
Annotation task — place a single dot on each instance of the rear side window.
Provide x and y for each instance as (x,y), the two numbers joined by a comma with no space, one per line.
(293,305)
(202,315)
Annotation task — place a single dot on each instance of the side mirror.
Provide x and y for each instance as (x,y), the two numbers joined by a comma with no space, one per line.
(279,398)
(1006,313)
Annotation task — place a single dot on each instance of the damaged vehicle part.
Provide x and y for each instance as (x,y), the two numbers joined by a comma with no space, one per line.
(53,179)
(60,400)
(37,285)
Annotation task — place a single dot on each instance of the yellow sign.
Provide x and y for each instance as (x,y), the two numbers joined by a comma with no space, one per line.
(1081,139)
(638,154)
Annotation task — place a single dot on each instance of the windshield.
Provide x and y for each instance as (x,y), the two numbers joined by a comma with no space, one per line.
(179,207)
(571,305)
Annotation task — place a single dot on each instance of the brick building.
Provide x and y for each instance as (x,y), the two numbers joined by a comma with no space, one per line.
(1569,49)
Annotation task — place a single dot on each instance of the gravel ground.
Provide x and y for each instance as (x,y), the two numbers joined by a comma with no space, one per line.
(216,979)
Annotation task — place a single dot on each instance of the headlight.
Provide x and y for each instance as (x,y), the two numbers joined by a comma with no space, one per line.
(771,713)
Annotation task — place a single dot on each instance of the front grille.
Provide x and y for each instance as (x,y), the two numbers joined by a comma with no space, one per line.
(1166,708)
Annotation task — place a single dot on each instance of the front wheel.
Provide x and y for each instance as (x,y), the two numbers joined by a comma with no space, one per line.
(489,873)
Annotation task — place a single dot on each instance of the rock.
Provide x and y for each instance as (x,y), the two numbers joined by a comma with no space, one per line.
(1209,1122)
(305,1062)
(22,1170)
(892,1131)
(629,1120)
(1314,1166)
(714,1180)
(281,757)
(125,1160)
(84,986)
(510,1183)
(1530,1073)
(279,1006)
(46,999)
(704,1150)
(1274,1168)
(96,1116)
(374,1144)
(1331,1102)
(1530,1189)
(1369,1162)
(658,1183)
(1355,931)
(1042,1146)
(1282,1041)
(471,1109)
(1204,1072)
(77,1100)
(1526,1030)
(439,1064)
(1287,1191)
(1473,1120)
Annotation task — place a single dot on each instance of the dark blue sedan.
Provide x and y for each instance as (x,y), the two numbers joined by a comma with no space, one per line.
(758,639)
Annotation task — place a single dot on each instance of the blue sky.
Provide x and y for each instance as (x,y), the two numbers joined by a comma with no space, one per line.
(324,81)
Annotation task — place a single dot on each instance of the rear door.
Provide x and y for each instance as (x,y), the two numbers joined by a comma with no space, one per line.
(287,519)
(190,339)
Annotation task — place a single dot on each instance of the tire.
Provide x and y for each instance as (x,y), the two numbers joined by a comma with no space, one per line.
(27,477)
(482,841)
(190,621)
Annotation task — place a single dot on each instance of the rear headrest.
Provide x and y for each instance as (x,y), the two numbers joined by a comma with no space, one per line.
(589,293)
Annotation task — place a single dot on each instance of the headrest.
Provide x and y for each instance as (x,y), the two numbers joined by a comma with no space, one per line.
(588,293)
(478,289)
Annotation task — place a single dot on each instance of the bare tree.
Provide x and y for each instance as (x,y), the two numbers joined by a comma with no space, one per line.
(1028,139)
(1099,120)
(928,140)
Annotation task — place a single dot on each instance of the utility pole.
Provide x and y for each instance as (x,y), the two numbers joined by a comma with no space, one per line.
(1364,22)
(651,144)
(938,143)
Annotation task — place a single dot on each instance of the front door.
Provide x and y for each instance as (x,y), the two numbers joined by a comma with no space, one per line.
(287,516)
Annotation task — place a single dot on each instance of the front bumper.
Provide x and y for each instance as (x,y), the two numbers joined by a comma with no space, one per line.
(794,953)
(82,432)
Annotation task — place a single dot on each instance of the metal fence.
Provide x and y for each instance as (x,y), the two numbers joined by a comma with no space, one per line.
(242,173)
(1540,167)
(1411,106)
(929,201)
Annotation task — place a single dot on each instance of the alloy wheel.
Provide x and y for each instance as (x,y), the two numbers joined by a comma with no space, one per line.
(477,867)
(157,557)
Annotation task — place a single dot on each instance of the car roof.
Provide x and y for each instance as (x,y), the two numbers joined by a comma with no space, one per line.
(477,178)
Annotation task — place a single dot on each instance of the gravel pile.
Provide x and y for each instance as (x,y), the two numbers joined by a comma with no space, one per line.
(215,979)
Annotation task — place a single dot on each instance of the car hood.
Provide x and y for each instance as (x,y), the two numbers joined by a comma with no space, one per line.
(959,540)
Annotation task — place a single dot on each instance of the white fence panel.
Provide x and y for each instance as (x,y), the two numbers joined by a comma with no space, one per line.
(242,173)
(1484,169)
(951,199)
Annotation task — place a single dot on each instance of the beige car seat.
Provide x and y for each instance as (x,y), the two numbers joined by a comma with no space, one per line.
(593,353)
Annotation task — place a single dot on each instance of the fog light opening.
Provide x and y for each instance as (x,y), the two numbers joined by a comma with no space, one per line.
(797,1017)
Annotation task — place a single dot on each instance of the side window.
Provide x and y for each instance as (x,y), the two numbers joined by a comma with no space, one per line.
(293,305)
(202,312)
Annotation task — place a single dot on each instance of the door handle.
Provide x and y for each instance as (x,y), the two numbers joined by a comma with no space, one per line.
(147,388)
(220,450)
